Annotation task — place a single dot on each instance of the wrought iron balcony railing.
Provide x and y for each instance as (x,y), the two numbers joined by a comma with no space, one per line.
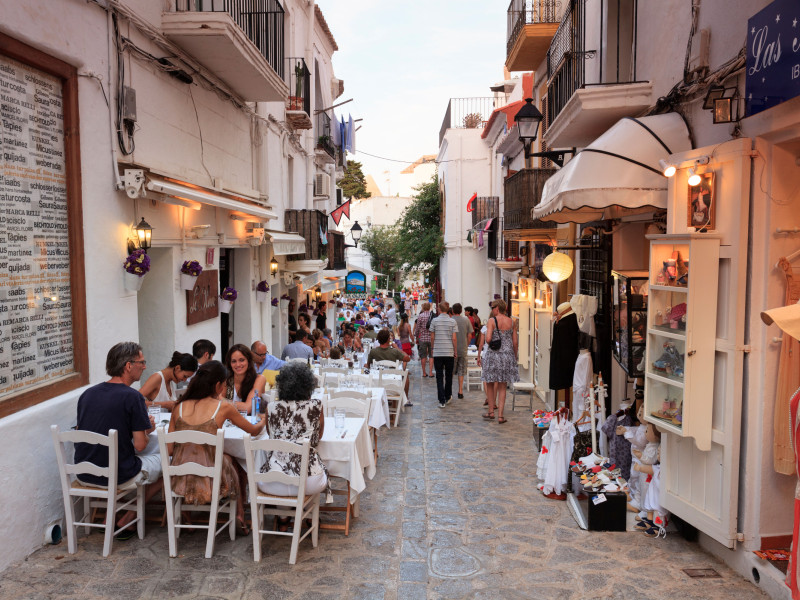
(610,58)
(324,134)
(522,191)
(528,12)
(485,207)
(336,257)
(466,113)
(499,248)
(298,78)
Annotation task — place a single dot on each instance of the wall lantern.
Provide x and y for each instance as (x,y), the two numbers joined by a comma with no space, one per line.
(527,119)
(724,104)
(145,235)
(273,266)
(356,231)
(513,291)
(557,266)
(318,295)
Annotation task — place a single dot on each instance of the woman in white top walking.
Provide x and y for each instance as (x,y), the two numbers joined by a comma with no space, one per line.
(159,389)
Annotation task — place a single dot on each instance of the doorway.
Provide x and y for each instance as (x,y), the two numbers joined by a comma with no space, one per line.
(226,264)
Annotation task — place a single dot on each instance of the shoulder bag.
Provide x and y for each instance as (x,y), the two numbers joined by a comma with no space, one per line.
(495,342)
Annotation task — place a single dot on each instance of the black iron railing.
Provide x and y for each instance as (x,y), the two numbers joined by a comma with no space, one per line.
(325,134)
(261,21)
(528,12)
(313,226)
(298,77)
(485,207)
(466,113)
(336,259)
(499,248)
(522,191)
(571,65)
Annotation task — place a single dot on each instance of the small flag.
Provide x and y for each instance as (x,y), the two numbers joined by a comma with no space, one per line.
(344,209)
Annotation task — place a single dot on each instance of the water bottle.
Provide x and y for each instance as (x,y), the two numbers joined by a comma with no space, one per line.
(256,407)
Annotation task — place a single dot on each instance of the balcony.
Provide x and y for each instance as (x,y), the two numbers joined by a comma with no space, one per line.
(336,258)
(298,104)
(503,252)
(313,226)
(522,191)
(325,150)
(531,26)
(483,208)
(239,41)
(591,72)
(466,113)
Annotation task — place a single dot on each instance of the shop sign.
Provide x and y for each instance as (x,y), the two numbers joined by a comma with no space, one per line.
(201,300)
(36,329)
(773,56)
(356,282)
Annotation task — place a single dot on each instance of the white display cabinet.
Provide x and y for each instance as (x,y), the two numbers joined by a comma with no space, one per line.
(681,334)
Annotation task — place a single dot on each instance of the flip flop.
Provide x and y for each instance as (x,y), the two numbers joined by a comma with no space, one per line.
(125,534)
(502,420)
(488,416)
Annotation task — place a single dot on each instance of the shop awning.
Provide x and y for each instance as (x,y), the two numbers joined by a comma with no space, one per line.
(616,175)
(323,277)
(511,277)
(366,270)
(192,196)
(286,243)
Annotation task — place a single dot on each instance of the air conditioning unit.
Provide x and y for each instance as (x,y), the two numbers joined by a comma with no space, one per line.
(322,185)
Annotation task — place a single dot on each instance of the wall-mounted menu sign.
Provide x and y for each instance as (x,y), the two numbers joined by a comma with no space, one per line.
(773,56)
(201,300)
(36,345)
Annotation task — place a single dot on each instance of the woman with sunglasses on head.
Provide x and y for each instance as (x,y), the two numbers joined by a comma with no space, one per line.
(159,389)
(243,381)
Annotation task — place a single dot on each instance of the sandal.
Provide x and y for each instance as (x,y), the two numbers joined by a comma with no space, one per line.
(502,420)
(488,416)
(241,527)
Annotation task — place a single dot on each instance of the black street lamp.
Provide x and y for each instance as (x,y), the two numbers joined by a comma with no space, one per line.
(145,234)
(273,266)
(528,119)
(356,231)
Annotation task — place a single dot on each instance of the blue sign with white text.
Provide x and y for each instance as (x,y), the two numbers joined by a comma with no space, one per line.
(773,56)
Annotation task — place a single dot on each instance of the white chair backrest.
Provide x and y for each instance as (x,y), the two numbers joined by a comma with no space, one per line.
(338,370)
(388,364)
(354,407)
(191,468)
(251,447)
(68,469)
(300,360)
(349,394)
(340,363)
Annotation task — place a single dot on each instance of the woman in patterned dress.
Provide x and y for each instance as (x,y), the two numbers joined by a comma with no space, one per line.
(499,367)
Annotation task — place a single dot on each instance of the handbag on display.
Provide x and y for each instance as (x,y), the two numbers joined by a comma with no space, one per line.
(495,342)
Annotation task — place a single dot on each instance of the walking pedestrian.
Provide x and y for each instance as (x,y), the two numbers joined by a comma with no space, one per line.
(443,340)
(499,367)
(423,336)
(463,335)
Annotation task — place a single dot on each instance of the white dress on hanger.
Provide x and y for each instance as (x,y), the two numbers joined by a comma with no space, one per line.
(581,382)
(544,457)
(562,434)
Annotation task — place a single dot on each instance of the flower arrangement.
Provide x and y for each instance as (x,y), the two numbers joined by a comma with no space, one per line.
(191,267)
(286,297)
(262,286)
(303,308)
(229,294)
(497,296)
(137,263)
(274,302)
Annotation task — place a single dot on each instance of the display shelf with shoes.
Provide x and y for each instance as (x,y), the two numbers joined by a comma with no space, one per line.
(681,334)
(630,318)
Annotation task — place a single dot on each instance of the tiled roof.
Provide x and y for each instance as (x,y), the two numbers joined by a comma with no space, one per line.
(324,25)
(510,110)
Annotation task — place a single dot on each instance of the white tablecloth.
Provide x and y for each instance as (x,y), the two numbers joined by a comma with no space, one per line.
(379,411)
(349,457)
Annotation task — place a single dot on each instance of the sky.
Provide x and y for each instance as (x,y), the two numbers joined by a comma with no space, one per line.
(402,61)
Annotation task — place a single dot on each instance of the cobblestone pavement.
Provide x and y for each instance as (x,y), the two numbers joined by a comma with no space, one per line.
(453,512)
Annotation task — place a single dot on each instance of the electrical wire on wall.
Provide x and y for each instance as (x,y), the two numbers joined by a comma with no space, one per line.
(125,129)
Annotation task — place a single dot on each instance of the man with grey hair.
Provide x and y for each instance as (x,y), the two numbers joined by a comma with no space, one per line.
(114,404)
(263,360)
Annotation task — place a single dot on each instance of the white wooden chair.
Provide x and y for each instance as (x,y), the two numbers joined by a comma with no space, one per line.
(522,387)
(353,406)
(395,391)
(300,507)
(175,506)
(388,364)
(349,394)
(298,360)
(473,373)
(93,497)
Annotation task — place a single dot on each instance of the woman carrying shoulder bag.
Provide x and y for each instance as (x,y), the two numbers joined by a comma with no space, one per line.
(499,363)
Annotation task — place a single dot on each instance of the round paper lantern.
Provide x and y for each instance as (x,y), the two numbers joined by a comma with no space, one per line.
(557,267)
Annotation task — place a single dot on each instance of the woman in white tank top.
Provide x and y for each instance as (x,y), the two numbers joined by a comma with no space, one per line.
(159,389)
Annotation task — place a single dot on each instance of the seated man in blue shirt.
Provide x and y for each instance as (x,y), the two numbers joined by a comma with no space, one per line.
(300,347)
(263,360)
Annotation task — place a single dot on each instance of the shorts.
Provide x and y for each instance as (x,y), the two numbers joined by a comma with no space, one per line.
(407,347)
(424,349)
(150,473)
(460,366)
(415,301)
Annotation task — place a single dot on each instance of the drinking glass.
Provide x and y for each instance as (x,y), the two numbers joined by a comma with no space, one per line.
(155,412)
(338,418)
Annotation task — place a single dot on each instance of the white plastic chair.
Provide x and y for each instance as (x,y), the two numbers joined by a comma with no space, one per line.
(353,405)
(94,497)
(174,502)
(300,507)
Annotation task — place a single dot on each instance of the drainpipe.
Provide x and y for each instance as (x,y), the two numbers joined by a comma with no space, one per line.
(309,58)
(118,185)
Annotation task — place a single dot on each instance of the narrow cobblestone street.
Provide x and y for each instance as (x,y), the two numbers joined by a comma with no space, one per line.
(453,512)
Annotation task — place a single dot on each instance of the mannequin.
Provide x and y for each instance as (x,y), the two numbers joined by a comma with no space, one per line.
(646,459)
(565,348)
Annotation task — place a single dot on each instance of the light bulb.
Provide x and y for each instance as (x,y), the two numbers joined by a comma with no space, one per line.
(694,178)
(667,169)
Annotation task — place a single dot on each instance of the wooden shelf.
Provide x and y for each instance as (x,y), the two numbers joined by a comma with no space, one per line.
(666,379)
(675,334)
(669,288)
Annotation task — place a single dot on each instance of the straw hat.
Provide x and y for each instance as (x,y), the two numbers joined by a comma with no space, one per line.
(787,318)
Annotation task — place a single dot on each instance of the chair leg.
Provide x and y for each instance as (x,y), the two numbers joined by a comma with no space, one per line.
(315,524)
(257,511)
(111,515)
(140,511)
(347,512)
(171,529)
(72,531)
(88,516)
(298,526)
(233,509)
(213,514)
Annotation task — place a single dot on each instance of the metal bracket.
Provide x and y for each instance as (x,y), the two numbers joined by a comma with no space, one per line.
(133,180)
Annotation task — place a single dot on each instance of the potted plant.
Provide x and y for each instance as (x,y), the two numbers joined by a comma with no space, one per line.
(190,271)
(136,266)
(226,299)
(261,291)
(274,303)
(285,299)
(324,141)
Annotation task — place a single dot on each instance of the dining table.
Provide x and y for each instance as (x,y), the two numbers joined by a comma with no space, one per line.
(379,411)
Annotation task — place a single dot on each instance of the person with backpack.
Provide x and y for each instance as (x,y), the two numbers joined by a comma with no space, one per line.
(423,336)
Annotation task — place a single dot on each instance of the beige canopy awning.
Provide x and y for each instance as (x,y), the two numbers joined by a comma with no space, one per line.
(616,175)
(286,243)
(192,196)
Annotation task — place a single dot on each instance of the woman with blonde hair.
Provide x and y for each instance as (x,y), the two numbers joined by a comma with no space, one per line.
(499,366)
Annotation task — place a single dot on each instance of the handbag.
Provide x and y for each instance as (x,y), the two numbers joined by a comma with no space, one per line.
(495,344)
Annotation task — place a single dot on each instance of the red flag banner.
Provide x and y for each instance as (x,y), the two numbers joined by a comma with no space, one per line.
(470,206)
(344,209)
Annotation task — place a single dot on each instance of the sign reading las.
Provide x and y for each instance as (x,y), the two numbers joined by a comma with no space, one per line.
(773,56)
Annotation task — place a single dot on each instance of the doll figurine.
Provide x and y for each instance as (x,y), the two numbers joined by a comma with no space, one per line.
(638,440)
(646,459)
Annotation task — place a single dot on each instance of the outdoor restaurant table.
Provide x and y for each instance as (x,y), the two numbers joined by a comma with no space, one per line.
(379,411)
(349,457)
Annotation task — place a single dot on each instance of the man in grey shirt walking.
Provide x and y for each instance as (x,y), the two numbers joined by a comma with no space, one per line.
(443,341)
(463,333)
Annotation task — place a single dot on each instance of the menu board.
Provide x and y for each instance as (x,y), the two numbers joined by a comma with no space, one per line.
(36,345)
